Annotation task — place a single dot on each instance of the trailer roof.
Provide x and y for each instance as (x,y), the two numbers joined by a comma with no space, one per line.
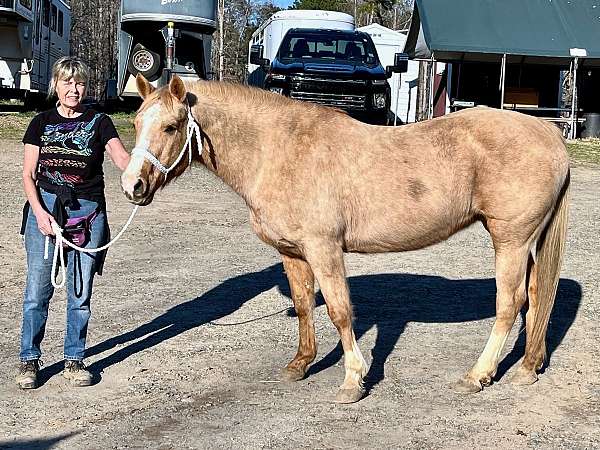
(305,14)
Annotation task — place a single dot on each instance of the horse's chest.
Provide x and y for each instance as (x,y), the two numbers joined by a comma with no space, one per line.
(273,233)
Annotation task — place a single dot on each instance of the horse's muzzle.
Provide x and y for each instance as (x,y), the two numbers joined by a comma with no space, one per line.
(136,191)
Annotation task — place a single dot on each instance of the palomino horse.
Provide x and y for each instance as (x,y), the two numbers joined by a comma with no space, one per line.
(318,184)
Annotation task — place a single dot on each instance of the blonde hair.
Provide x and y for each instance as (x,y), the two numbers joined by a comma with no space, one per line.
(66,68)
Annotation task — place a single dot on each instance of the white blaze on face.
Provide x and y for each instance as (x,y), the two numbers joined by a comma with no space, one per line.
(132,173)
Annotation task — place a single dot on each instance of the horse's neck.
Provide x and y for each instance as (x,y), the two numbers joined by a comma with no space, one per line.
(230,148)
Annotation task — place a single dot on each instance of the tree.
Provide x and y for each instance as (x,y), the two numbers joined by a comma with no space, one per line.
(326,5)
(393,14)
(240,19)
(94,39)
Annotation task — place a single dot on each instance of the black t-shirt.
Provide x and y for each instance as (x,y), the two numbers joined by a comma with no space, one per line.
(71,149)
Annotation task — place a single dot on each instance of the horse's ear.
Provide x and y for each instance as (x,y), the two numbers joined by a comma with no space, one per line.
(143,86)
(177,88)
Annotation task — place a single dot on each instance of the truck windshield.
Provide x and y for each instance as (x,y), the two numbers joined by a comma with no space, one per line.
(344,48)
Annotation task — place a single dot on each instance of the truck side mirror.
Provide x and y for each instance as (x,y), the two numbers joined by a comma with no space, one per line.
(256,56)
(400,64)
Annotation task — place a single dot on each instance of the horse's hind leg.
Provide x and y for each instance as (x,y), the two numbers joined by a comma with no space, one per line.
(302,287)
(511,269)
(526,373)
(327,262)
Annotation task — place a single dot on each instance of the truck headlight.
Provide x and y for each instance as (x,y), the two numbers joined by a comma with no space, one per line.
(276,90)
(379,100)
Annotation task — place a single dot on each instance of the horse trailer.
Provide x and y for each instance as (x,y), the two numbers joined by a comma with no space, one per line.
(33,35)
(162,37)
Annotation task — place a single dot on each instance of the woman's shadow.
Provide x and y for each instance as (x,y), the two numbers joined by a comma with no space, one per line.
(385,301)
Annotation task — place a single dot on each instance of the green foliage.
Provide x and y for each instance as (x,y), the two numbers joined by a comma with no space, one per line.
(327,5)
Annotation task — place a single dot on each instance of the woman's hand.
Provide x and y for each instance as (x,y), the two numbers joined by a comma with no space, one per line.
(44,222)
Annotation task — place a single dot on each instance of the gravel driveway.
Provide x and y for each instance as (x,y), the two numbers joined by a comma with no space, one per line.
(192,321)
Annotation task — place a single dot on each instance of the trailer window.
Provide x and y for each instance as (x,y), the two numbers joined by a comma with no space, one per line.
(60,23)
(54,13)
(6,4)
(46,13)
(25,4)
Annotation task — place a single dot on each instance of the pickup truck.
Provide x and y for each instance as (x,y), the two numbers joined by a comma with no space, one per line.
(338,68)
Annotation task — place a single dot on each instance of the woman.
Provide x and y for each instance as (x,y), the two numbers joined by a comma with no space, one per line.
(63,179)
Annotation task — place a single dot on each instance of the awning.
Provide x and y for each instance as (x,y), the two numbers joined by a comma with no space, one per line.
(534,31)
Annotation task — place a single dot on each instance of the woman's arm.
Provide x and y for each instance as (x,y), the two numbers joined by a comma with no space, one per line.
(30,161)
(117,153)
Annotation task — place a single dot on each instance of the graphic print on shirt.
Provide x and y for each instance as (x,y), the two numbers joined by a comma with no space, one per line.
(61,140)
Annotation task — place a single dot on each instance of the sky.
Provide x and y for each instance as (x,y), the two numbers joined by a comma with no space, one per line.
(283,3)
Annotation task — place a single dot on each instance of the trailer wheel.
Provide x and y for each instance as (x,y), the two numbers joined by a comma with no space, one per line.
(144,61)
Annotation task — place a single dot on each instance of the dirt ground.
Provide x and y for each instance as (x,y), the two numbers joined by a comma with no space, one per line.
(192,321)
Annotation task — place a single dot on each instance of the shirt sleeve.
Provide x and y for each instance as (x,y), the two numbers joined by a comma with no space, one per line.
(33,134)
(106,130)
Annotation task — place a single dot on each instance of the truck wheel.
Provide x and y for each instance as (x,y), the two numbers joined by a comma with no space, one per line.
(144,61)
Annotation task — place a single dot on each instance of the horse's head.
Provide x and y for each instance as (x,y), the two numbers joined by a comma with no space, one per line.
(160,127)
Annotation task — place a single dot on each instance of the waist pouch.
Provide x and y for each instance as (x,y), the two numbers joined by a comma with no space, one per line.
(78,229)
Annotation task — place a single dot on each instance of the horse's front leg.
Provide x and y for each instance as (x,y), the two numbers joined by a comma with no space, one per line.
(302,287)
(327,262)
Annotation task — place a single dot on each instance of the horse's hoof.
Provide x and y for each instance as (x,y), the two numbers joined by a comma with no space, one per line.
(466,386)
(292,374)
(349,395)
(524,377)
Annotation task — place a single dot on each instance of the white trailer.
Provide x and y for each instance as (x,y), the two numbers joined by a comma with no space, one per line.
(271,32)
(388,43)
(33,35)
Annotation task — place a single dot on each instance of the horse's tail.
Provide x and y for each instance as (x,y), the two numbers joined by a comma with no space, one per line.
(550,252)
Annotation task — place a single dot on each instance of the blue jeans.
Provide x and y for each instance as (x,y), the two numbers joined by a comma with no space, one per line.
(81,268)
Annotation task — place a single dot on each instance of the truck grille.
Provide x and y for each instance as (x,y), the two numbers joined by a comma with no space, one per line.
(338,100)
(340,93)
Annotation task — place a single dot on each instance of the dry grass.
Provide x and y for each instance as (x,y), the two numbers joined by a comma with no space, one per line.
(585,150)
(12,127)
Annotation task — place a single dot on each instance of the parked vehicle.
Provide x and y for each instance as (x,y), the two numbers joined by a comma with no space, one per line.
(33,35)
(338,68)
(271,33)
(154,36)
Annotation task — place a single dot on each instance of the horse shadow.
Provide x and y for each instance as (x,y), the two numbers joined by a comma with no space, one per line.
(36,444)
(385,301)
(390,302)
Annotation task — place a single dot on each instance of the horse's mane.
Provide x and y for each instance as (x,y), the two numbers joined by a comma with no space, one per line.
(260,99)
(226,92)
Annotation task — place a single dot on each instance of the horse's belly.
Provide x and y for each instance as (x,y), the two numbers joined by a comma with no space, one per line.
(400,237)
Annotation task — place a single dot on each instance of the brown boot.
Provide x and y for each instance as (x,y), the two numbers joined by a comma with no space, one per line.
(28,374)
(76,373)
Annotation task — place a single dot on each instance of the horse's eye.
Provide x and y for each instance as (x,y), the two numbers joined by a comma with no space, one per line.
(170,129)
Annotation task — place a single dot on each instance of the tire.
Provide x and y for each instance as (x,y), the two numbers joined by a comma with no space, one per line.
(144,61)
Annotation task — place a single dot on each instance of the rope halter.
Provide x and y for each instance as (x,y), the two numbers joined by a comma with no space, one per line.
(191,129)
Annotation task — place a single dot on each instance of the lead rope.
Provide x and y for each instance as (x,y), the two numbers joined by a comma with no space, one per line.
(59,249)
(191,129)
